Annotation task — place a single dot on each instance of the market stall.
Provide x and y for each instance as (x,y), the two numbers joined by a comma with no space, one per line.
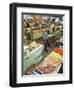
(33,55)
(51,64)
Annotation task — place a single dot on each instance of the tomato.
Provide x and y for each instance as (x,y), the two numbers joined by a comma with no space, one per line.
(59,50)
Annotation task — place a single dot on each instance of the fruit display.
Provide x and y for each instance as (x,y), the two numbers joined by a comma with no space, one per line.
(59,50)
(50,63)
(55,56)
(46,70)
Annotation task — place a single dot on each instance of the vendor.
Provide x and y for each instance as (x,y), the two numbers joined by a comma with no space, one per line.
(45,40)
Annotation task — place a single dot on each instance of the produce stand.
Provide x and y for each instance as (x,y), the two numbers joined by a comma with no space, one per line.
(36,34)
(32,57)
(53,60)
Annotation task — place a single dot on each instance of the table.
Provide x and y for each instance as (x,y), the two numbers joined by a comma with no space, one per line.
(33,57)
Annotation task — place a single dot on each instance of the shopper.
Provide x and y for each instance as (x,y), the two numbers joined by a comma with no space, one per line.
(45,40)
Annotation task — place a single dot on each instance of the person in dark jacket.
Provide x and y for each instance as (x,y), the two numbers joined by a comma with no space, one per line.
(45,40)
